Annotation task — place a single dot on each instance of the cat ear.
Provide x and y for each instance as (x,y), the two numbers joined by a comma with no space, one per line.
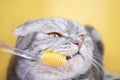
(97,40)
(23,29)
(24,42)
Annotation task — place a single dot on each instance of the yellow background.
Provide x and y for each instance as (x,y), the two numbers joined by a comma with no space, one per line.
(104,15)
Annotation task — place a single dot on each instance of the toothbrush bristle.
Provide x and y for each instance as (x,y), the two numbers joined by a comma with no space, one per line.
(53,58)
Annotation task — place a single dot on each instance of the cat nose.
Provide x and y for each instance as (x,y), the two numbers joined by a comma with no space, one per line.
(78,43)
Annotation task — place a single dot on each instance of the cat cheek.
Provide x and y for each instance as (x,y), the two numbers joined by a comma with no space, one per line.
(68,49)
(84,50)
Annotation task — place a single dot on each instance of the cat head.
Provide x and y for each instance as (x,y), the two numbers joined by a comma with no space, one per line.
(57,35)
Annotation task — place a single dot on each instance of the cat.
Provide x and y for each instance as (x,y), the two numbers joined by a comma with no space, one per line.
(81,44)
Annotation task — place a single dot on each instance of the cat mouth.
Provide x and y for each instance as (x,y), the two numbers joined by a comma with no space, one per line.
(70,57)
(55,58)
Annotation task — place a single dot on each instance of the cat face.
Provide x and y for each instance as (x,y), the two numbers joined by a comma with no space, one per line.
(57,35)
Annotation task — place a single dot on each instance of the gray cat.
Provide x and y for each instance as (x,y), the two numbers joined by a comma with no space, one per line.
(82,47)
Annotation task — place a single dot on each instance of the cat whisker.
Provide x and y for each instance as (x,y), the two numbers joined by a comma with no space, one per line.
(96,65)
(94,61)
(27,71)
(100,66)
(96,57)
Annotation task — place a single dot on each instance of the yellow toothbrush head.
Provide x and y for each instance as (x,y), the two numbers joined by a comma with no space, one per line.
(53,58)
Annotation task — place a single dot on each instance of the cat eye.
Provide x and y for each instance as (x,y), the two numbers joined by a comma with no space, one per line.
(54,34)
(82,37)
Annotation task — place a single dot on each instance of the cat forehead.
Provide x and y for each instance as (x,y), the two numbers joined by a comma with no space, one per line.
(50,25)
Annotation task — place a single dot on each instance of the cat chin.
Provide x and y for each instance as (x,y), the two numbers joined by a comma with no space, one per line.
(71,71)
